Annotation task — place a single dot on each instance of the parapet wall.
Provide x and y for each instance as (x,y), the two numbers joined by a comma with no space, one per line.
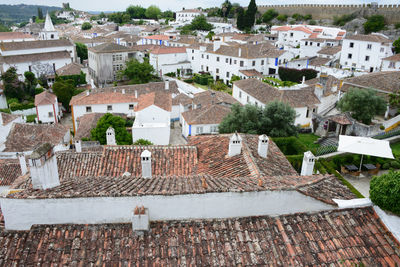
(321,11)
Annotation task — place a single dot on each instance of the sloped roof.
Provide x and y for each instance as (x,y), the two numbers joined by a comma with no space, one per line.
(25,137)
(45,98)
(369,38)
(210,97)
(9,171)
(395,57)
(212,114)
(251,73)
(250,51)
(9,46)
(35,57)
(181,99)
(168,50)
(109,48)
(7,118)
(160,99)
(70,69)
(14,35)
(330,50)
(387,81)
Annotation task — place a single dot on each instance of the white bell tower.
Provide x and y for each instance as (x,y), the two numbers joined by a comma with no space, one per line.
(48,32)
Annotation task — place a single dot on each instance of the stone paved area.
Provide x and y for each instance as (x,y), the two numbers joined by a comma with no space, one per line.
(176,137)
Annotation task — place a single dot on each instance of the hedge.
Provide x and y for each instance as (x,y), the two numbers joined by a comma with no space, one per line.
(78,79)
(188,81)
(18,106)
(385,191)
(295,75)
(290,145)
(203,79)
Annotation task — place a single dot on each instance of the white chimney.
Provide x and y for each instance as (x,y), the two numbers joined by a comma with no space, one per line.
(22,163)
(87,92)
(240,52)
(110,136)
(307,168)
(43,167)
(136,94)
(216,46)
(78,146)
(145,158)
(1,118)
(123,91)
(166,85)
(235,145)
(263,143)
(140,219)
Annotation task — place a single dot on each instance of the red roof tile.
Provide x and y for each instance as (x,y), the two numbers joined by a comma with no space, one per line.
(9,171)
(45,98)
(159,37)
(160,99)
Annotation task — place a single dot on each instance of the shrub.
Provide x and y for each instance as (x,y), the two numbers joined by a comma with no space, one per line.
(395,164)
(282,17)
(385,191)
(5,110)
(31,118)
(18,106)
(374,23)
(312,22)
(143,142)
(397,25)
(290,145)
(188,80)
(382,127)
(170,74)
(342,20)
(203,79)
(386,166)
(39,90)
(295,75)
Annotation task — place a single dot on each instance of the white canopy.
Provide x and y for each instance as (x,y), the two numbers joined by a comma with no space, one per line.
(365,146)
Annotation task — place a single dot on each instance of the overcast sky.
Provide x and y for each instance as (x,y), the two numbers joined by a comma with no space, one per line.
(175,5)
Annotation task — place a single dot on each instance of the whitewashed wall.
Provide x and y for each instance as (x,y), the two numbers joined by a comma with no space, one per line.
(30,111)
(21,214)
(24,66)
(3,101)
(158,134)
(152,114)
(43,111)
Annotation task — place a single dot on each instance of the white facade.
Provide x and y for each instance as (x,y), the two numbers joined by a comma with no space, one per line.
(390,65)
(170,62)
(197,129)
(48,32)
(48,113)
(363,55)
(153,124)
(186,16)
(3,100)
(310,47)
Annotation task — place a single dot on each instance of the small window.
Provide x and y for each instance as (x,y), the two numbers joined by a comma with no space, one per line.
(202,55)
(240,94)
(241,63)
(199,130)
(227,74)
(311,43)
(248,99)
(306,43)
(214,128)
(192,58)
(207,57)
(109,107)
(217,59)
(217,70)
(351,45)
(50,114)
(192,51)
(206,68)
(318,44)
(382,49)
(366,58)
(88,109)
(291,34)
(235,61)
(369,46)
(349,56)
(226,60)
(262,62)
(131,106)
(254,63)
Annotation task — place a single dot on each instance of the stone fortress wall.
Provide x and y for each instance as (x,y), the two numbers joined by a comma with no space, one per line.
(326,11)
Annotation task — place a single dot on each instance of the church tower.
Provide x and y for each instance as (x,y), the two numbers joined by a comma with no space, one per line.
(48,32)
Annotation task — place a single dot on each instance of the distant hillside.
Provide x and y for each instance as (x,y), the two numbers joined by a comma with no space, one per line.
(21,13)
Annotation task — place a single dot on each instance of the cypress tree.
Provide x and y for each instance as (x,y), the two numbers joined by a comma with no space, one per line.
(40,13)
(251,14)
(240,19)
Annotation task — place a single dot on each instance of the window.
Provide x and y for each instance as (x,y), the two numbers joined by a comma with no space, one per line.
(131,106)
(214,128)
(202,55)
(199,130)
(226,60)
(227,74)
(217,59)
(254,63)
(192,51)
(88,109)
(392,65)
(318,44)
(192,58)
(291,34)
(351,45)
(109,107)
(206,68)
(366,58)
(306,42)
(369,46)
(311,43)
(217,70)
(248,99)
(50,114)
(382,49)
(349,56)
(240,94)
(241,63)
(207,57)
(234,62)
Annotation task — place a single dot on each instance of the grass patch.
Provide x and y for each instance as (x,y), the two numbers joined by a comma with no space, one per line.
(205,87)
(395,148)
(31,118)
(309,139)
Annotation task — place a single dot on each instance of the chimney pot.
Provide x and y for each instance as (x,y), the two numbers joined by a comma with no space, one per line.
(43,167)
(140,219)
(146,164)
(22,163)
(235,145)
(307,168)
(78,146)
(136,94)
(110,137)
(166,85)
(263,143)
(123,91)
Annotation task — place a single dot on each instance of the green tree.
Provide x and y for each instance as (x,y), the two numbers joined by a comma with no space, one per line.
(64,90)
(226,8)
(168,14)
(363,104)
(374,23)
(102,15)
(30,82)
(82,51)
(276,119)
(396,46)
(153,12)
(122,136)
(86,26)
(251,14)
(40,13)
(269,15)
(200,23)
(210,35)
(136,12)
(13,87)
(282,17)
(4,28)
(385,191)
(138,72)
(240,22)
(234,79)
(394,99)
(143,142)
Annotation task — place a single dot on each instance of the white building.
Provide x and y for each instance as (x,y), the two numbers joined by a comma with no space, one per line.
(311,46)
(47,108)
(15,37)
(48,32)
(40,57)
(224,61)
(391,63)
(159,39)
(255,92)
(170,59)
(365,52)
(153,118)
(187,15)
(6,122)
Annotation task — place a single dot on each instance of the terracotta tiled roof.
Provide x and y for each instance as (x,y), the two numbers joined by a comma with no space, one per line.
(181,99)
(302,29)
(330,50)
(210,97)
(212,114)
(341,119)
(168,50)
(159,37)
(266,93)
(100,95)
(387,81)
(266,50)
(89,121)
(282,28)
(326,238)
(14,35)
(70,69)
(45,98)
(24,137)
(369,38)
(160,99)
(319,61)
(9,171)
(395,57)
(7,118)
(109,48)
(341,33)
(35,57)
(314,35)
(9,46)
(251,73)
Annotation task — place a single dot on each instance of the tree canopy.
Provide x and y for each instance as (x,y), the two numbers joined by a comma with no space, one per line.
(276,120)
(82,51)
(122,136)
(246,19)
(385,191)
(13,87)
(86,26)
(199,23)
(269,15)
(136,12)
(153,12)
(65,90)
(138,72)
(396,46)
(363,104)
(143,142)
(374,23)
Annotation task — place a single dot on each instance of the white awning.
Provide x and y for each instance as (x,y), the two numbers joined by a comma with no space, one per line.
(365,146)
